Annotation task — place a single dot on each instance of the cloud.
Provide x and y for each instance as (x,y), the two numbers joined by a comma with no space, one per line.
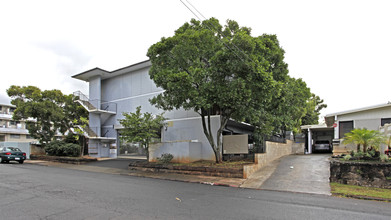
(4,99)
(69,57)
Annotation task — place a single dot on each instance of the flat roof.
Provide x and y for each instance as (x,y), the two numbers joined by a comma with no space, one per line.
(388,104)
(87,75)
(7,105)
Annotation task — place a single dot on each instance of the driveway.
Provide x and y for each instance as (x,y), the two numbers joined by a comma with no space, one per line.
(301,173)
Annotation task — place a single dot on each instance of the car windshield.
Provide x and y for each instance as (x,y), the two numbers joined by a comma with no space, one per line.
(14,149)
(322,142)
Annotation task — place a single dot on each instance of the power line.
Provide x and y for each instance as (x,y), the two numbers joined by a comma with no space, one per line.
(236,47)
(210,28)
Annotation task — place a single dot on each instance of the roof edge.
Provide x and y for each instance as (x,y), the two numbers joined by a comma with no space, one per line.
(388,104)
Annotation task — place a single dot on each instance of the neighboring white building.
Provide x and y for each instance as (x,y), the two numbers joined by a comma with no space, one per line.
(13,133)
(340,123)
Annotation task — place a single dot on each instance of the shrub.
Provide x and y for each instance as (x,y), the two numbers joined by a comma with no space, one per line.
(347,157)
(165,158)
(58,148)
(383,158)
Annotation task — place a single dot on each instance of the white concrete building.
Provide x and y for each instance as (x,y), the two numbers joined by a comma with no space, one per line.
(13,133)
(123,90)
(340,123)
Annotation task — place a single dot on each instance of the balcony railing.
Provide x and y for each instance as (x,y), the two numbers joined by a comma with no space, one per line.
(92,132)
(96,104)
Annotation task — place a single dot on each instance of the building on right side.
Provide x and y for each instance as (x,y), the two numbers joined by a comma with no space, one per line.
(371,117)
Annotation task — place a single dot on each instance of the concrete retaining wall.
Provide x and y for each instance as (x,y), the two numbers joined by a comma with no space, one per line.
(273,151)
(370,174)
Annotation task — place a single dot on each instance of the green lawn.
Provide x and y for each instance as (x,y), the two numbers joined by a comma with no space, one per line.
(349,190)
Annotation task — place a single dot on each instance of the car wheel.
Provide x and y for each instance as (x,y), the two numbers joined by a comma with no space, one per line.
(21,161)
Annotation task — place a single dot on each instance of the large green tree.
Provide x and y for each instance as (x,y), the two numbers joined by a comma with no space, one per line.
(216,70)
(313,107)
(141,127)
(46,112)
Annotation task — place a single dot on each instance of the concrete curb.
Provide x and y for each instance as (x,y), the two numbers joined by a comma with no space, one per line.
(362,197)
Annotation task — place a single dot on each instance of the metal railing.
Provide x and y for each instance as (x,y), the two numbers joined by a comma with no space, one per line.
(104,132)
(96,104)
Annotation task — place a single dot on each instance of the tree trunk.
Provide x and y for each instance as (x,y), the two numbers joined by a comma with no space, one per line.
(358,147)
(83,145)
(223,123)
(205,115)
(208,133)
(147,150)
(365,148)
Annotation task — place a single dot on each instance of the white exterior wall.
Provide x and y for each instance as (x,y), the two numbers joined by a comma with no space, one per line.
(134,89)
(370,119)
(131,87)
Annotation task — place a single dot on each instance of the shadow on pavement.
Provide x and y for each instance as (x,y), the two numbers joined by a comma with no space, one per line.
(119,163)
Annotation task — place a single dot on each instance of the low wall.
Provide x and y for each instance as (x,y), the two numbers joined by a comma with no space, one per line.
(183,151)
(37,150)
(273,151)
(371,174)
(340,149)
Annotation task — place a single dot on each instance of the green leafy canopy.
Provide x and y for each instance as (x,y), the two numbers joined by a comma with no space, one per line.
(141,127)
(46,112)
(224,70)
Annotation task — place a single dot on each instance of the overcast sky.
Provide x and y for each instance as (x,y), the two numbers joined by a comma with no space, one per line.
(341,49)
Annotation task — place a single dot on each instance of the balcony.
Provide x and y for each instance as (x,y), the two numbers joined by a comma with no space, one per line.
(96,106)
(108,134)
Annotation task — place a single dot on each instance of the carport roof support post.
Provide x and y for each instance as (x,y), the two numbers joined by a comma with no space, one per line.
(309,141)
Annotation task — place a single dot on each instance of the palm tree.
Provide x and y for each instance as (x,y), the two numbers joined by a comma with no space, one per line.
(365,137)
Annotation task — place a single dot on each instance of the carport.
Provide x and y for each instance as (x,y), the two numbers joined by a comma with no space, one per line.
(316,132)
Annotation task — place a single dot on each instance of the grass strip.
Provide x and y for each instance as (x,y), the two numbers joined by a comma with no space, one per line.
(357,191)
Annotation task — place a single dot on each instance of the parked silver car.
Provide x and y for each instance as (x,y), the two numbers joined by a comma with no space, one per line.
(322,145)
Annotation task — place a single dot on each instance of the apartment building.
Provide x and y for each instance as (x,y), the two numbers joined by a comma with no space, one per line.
(113,92)
(13,133)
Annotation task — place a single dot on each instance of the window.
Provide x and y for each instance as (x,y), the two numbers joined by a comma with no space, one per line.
(345,127)
(13,122)
(12,109)
(29,137)
(385,121)
(15,136)
(2,138)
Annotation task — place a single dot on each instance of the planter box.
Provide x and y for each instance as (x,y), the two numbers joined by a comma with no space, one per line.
(190,170)
(72,160)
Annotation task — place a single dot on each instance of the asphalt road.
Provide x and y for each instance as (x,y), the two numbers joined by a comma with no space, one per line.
(30,191)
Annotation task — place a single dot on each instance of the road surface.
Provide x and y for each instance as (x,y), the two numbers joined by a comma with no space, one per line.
(30,191)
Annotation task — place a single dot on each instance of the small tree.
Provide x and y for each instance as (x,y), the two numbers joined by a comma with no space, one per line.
(366,138)
(79,133)
(141,128)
